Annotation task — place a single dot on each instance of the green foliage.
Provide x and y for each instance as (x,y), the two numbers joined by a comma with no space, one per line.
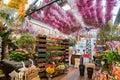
(117,57)
(106,34)
(110,56)
(55,47)
(55,53)
(55,41)
(17,56)
(5,37)
(72,41)
(26,41)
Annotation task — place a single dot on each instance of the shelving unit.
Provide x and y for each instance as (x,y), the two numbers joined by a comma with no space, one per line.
(56,52)
(67,44)
(52,50)
(41,50)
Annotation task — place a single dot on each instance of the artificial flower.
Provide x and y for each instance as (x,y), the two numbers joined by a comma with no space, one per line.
(113,45)
(50,70)
(21,10)
(13,4)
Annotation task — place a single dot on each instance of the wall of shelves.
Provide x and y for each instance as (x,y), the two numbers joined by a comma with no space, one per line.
(52,50)
(56,53)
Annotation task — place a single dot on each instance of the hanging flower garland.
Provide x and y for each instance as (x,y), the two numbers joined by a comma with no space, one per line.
(16,3)
(21,10)
(7,12)
(20,5)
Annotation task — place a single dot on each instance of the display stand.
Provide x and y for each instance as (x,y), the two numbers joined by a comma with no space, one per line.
(41,49)
(67,44)
(56,51)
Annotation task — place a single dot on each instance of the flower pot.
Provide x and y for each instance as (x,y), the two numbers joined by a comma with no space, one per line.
(89,72)
(82,69)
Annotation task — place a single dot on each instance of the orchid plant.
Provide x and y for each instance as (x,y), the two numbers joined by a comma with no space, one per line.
(113,45)
(112,54)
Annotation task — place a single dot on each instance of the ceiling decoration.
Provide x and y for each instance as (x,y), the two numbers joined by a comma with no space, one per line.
(93,13)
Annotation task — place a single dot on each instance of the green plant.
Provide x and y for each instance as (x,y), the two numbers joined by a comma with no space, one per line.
(18,56)
(72,41)
(26,41)
(117,57)
(55,53)
(110,56)
(5,42)
(106,34)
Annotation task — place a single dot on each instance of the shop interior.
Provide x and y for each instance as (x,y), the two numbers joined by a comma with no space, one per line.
(59,39)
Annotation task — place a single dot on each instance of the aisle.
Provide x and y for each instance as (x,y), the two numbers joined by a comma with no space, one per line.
(73,74)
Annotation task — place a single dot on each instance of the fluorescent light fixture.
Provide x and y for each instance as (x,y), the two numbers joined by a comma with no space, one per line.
(66,7)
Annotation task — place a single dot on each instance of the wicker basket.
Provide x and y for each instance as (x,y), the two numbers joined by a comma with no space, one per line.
(33,75)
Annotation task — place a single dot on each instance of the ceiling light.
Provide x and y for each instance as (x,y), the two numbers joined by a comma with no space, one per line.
(64,4)
(66,7)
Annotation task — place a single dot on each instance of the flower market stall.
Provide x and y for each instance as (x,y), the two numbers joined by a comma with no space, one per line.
(36,37)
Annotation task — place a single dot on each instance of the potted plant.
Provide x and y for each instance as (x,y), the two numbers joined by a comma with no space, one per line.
(26,41)
(110,57)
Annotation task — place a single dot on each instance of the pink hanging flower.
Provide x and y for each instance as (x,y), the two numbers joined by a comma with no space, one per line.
(110,44)
(116,44)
